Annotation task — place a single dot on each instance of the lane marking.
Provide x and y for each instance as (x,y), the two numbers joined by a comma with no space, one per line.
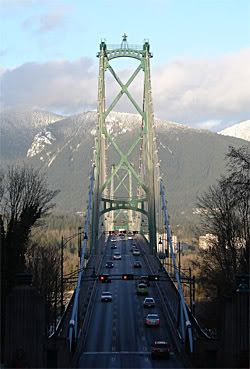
(117,352)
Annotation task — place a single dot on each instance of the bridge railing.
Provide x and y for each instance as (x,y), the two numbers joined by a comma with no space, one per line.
(73,324)
(185,324)
(127,47)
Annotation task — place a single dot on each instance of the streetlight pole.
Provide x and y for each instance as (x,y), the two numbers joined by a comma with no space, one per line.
(79,241)
(63,243)
(179,251)
(61,290)
(193,307)
(190,290)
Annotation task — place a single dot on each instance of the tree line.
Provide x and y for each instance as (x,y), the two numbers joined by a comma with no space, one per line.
(225,214)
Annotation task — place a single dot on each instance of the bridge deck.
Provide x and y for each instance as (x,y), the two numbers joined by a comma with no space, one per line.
(116,335)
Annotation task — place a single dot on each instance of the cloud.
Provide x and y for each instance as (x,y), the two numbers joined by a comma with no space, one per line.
(47,22)
(15,3)
(209,124)
(3,52)
(60,86)
(21,3)
(203,93)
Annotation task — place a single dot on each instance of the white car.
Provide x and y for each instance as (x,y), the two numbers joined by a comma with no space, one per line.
(106,296)
(136,252)
(152,320)
(149,302)
(117,256)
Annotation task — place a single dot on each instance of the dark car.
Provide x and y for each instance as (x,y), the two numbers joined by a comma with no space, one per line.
(137,264)
(109,264)
(106,297)
(142,289)
(160,349)
(136,252)
(113,246)
(144,279)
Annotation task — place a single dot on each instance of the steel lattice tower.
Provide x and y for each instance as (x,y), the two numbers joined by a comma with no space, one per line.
(104,200)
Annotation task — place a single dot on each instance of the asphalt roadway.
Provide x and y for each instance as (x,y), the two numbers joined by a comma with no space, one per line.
(117,336)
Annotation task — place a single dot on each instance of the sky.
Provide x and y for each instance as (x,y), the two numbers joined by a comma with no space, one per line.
(200,68)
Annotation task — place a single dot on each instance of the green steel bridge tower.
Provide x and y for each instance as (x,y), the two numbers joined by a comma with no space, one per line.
(138,199)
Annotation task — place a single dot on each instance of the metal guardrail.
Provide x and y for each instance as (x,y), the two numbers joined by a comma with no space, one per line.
(185,324)
(73,324)
(87,318)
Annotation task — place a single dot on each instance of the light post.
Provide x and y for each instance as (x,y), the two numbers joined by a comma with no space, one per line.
(63,244)
(179,252)
(160,247)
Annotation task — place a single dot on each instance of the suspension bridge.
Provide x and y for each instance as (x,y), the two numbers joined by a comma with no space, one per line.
(127,210)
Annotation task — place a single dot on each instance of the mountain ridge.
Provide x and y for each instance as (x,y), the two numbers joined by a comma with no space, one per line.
(238,130)
(190,159)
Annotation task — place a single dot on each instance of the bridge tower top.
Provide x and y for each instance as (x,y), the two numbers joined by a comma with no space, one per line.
(125,49)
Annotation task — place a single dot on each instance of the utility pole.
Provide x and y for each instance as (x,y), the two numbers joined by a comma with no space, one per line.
(179,252)
(79,241)
(190,290)
(193,310)
(55,307)
(61,287)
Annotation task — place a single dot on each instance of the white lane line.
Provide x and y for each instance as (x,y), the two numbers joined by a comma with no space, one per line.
(116,352)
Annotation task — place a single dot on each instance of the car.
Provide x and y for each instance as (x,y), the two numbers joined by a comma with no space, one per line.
(113,247)
(133,248)
(136,252)
(130,237)
(109,264)
(149,302)
(137,264)
(160,349)
(106,296)
(152,320)
(117,256)
(144,279)
(142,289)
(134,243)
(113,239)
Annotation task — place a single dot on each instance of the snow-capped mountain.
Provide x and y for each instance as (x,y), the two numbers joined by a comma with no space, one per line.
(18,129)
(190,159)
(31,119)
(41,140)
(239,130)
